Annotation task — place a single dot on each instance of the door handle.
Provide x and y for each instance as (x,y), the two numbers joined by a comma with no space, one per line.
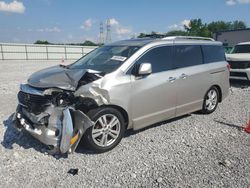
(171,79)
(183,76)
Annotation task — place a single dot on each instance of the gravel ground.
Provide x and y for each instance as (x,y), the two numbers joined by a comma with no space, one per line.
(191,151)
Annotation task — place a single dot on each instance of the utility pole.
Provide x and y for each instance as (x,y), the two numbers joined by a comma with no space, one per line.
(108,34)
(101,36)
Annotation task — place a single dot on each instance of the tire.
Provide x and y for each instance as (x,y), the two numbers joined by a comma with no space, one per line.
(211,101)
(102,137)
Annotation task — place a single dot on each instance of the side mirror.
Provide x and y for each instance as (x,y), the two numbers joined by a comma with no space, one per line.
(145,69)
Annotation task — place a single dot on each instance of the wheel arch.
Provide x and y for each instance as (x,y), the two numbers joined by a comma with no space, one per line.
(120,109)
(219,91)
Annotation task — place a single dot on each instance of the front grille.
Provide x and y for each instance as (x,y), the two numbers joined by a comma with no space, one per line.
(239,64)
(26,98)
(34,103)
(238,74)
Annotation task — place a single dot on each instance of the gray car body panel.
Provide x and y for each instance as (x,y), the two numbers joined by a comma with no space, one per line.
(56,77)
(146,100)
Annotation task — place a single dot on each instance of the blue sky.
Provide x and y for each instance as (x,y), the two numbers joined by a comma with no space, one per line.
(26,21)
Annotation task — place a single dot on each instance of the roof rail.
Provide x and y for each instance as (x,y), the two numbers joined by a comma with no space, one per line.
(155,35)
(187,37)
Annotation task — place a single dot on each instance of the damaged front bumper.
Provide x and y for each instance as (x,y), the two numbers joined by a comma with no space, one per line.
(60,128)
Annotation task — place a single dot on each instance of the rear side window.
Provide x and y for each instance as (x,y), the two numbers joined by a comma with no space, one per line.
(159,57)
(188,55)
(213,54)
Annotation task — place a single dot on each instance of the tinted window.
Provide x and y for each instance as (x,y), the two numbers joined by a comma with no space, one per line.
(213,54)
(187,55)
(242,48)
(160,58)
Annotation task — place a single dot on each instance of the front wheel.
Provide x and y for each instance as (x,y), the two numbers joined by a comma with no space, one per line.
(107,131)
(211,101)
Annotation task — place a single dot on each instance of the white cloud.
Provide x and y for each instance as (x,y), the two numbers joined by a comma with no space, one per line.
(175,27)
(234,2)
(87,24)
(230,2)
(123,31)
(14,7)
(119,30)
(55,29)
(52,30)
(186,23)
(114,22)
(180,26)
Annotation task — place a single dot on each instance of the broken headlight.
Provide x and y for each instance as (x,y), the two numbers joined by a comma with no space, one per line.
(62,98)
(51,90)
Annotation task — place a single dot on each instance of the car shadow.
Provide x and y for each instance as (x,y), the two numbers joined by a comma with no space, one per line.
(240,83)
(13,136)
(23,139)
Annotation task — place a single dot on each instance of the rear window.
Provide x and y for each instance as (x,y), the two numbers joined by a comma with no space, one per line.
(213,53)
(188,55)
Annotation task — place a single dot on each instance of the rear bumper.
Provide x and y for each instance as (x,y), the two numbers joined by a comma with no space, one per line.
(243,74)
(55,127)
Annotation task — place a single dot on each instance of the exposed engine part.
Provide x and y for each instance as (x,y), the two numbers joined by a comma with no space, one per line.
(63,99)
(64,131)
(88,78)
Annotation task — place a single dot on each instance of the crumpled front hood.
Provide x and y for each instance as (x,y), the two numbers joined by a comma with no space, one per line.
(58,77)
(238,57)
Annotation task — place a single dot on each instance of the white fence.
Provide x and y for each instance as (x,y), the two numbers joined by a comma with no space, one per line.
(10,51)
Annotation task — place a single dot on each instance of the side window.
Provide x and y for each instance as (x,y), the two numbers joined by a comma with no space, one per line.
(213,53)
(187,55)
(159,57)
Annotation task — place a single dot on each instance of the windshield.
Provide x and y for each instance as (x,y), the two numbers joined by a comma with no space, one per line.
(241,49)
(105,59)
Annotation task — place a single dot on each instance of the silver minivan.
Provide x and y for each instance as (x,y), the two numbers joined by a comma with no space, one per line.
(127,84)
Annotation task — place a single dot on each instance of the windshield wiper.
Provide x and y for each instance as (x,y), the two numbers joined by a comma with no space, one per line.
(64,66)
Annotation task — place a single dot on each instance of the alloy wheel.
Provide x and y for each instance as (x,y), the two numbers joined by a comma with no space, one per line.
(106,130)
(211,100)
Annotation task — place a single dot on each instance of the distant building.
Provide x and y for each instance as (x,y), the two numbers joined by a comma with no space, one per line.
(232,37)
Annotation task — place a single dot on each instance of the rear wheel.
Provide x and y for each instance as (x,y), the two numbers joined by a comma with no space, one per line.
(211,100)
(107,131)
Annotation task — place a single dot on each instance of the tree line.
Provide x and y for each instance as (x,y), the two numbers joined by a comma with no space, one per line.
(197,28)
(85,43)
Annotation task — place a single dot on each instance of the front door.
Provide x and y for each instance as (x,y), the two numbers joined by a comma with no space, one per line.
(154,96)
